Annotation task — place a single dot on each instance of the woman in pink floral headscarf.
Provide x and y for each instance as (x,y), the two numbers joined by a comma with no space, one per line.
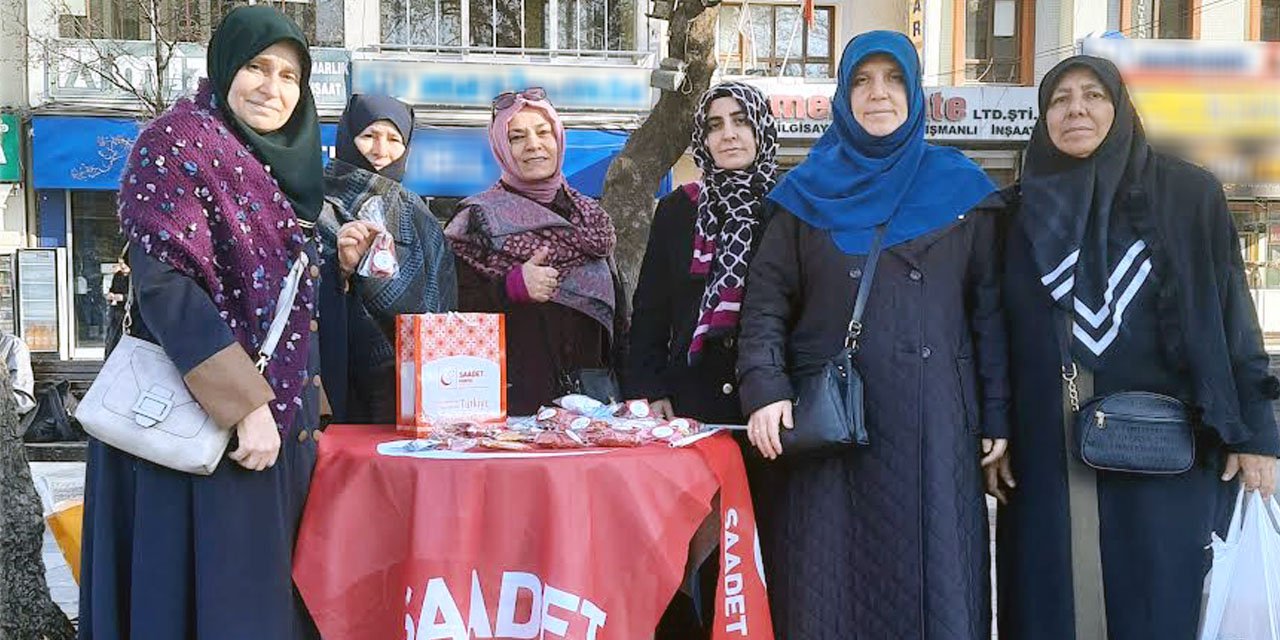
(537,250)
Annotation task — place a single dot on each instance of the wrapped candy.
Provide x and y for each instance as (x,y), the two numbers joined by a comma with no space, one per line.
(559,440)
(612,438)
(505,445)
(633,409)
(555,418)
(380,261)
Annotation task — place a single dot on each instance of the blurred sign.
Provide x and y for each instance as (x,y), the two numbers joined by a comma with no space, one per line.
(81,153)
(10,154)
(38,298)
(974,114)
(75,72)
(1214,103)
(460,84)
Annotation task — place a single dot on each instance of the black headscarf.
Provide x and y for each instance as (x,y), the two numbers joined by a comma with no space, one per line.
(293,151)
(364,110)
(1091,260)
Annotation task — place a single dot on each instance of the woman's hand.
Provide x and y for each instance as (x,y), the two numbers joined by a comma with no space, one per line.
(259,440)
(1257,473)
(354,240)
(540,280)
(996,469)
(763,427)
(662,409)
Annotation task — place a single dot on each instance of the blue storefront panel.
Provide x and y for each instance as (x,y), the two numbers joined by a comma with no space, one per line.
(85,153)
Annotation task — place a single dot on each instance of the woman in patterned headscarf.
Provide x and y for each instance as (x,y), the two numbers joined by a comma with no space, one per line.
(695,266)
(685,325)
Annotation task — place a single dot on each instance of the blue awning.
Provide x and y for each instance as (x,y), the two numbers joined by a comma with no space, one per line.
(86,153)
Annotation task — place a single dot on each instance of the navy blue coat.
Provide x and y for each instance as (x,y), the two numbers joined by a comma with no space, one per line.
(172,555)
(888,540)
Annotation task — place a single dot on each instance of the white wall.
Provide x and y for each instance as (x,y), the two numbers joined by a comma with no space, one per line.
(1225,20)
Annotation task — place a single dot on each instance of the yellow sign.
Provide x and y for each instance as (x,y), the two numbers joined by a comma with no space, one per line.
(1235,111)
(915,23)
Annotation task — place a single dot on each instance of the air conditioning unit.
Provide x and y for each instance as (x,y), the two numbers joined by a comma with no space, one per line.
(662,9)
(670,75)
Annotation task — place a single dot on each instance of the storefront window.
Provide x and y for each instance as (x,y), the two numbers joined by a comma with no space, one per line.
(772,40)
(189,20)
(422,22)
(564,25)
(1167,19)
(96,243)
(993,41)
(1270,28)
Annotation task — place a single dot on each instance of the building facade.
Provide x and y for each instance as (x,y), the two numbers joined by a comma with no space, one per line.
(448,58)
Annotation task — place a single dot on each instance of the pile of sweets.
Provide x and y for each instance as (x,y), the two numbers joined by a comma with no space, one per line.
(573,422)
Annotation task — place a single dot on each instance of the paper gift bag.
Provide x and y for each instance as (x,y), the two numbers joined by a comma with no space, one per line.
(451,367)
(67,524)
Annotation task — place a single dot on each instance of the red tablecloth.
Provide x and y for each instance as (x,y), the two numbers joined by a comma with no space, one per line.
(583,546)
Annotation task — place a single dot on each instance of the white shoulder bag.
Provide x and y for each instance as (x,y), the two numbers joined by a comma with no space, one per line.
(140,404)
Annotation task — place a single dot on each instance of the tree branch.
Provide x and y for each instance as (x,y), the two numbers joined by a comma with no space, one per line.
(636,173)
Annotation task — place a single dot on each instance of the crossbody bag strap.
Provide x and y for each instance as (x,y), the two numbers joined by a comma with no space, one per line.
(284,305)
(1088,589)
(864,288)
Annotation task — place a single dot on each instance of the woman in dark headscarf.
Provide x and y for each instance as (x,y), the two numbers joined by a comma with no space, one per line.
(218,202)
(539,251)
(887,540)
(1137,252)
(363,194)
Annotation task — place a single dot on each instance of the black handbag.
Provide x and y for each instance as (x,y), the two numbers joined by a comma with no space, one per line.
(1127,431)
(827,413)
(598,383)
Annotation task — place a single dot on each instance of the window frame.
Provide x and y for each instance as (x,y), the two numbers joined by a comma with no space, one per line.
(725,60)
(87,28)
(1025,17)
(1128,27)
(553,37)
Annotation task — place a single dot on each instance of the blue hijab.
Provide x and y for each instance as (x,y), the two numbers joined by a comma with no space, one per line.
(852,181)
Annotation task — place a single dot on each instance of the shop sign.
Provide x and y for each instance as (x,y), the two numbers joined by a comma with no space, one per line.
(1215,60)
(468,84)
(915,23)
(71,75)
(10,155)
(82,153)
(973,114)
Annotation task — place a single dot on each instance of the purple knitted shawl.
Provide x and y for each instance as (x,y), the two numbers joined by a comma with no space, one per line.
(194,197)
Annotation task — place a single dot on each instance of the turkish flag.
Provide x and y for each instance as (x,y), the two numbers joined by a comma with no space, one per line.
(808,12)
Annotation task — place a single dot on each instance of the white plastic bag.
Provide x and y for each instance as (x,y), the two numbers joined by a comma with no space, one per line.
(1244,584)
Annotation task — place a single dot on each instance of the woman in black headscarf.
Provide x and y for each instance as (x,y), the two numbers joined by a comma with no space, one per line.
(218,202)
(1136,252)
(363,194)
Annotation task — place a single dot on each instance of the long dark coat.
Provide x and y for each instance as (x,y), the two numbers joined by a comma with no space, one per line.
(1153,530)
(666,308)
(890,540)
(173,555)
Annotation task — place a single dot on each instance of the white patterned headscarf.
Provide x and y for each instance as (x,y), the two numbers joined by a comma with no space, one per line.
(729,212)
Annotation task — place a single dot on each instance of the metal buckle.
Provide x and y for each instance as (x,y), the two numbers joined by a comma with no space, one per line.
(851,338)
(153,406)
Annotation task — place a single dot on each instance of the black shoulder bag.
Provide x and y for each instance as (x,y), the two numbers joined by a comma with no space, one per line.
(595,382)
(828,410)
(1128,431)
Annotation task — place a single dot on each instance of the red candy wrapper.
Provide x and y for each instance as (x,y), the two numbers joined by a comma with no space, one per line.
(559,440)
(611,438)
(555,418)
(633,410)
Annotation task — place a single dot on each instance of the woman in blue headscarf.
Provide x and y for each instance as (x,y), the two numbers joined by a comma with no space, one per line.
(887,540)
(363,195)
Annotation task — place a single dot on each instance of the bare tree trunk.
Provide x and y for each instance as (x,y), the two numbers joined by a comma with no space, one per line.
(650,152)
(27,612)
